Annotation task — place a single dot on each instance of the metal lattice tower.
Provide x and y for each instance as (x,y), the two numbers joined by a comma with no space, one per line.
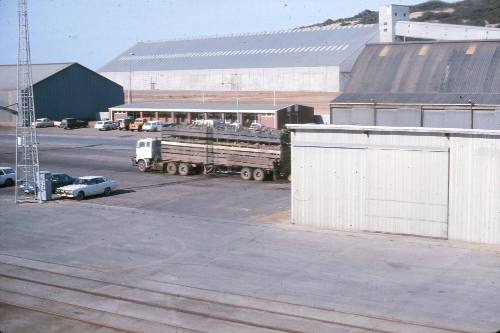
(27,165)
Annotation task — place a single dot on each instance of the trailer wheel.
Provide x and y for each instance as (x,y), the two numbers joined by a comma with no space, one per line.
(259,174)
(184,169)
(246,173)
(171,168)
(142,166)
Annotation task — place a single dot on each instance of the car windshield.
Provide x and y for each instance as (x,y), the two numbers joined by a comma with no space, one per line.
(8,171)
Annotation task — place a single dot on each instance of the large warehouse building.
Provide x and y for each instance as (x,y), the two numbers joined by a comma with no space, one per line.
(61,90)
(431,84)
(306,66)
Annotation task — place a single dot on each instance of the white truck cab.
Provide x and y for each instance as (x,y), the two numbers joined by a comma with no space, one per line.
(147,152)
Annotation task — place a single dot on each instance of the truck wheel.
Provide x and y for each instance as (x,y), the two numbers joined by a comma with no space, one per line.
(171,168)
(259,174)
(80,196)
(246,173)
(142,166)
(184,169)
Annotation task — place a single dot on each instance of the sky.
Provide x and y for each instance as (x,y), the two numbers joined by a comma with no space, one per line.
(93,32)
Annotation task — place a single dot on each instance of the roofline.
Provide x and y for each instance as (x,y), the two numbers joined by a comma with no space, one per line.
(468,105)
(45,63)
(438,42)
(334,26)
(357,128)
(241,109)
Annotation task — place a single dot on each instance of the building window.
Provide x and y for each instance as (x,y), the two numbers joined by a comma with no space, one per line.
(153,85)
(385,29)
(395,14)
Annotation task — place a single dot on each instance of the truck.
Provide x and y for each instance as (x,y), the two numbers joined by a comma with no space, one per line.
(137,124)
(187,150)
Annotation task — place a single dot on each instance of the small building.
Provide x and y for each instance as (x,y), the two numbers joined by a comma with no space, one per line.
(442,183)
(61,90)
(272,116)
(446,84)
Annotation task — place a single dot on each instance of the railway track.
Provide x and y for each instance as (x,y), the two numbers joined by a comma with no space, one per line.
(128,304)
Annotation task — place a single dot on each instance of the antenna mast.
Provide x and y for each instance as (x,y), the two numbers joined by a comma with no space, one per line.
(27,165)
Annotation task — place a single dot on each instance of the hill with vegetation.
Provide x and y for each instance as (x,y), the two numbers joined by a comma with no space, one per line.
(468,12)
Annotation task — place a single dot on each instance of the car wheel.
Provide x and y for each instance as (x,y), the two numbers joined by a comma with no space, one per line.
(9,182)
(80,196)
(107,191)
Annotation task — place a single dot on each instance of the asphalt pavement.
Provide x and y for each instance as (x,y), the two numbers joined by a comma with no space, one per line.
(217,254)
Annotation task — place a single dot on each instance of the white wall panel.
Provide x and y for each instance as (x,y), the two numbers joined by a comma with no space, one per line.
(419,181)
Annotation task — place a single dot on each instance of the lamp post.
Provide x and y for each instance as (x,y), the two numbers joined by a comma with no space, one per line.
(237,101)
(130,78)
(471,113)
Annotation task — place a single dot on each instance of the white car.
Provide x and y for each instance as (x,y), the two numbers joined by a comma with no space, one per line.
(7,176)
(152,126)
(43,122)
(87,186)
(105,125)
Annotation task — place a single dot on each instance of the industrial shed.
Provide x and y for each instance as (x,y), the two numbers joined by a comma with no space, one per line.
(294,66)
(452,84)
(432,182)
(272,116)
(61,91)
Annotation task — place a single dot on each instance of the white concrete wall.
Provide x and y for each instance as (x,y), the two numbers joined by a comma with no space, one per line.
(428,182)
(440,31)
(388,15)
(247,79)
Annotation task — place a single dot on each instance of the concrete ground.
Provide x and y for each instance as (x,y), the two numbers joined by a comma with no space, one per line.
(216,254)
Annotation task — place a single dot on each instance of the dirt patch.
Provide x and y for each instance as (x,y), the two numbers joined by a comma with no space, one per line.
(276,218)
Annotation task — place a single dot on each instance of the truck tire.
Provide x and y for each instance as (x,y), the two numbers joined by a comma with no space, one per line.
(259,174)
(171,168)
(246,173)
(184,169)
(141,165)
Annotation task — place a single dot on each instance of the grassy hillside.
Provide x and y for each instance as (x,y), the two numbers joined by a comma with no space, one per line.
(469,12)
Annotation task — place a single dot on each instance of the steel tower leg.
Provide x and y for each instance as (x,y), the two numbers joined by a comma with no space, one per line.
(27,164)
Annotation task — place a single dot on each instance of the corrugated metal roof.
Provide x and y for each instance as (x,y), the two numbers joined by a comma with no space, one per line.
(293,48)
(436,72)
(8,74)
(197,107)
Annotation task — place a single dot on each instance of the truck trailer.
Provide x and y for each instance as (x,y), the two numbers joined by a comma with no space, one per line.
(187,150)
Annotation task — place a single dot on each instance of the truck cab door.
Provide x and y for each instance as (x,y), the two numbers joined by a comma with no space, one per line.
(143,150)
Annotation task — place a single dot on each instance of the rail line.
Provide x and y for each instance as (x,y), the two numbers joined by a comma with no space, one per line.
(219,314)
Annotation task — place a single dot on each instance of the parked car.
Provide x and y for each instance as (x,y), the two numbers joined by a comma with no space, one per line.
(70,123)
(87,186)
(152,126)
(58,180)
(124,124)
(43,122)
(105,125)
(7,176)
(137,124)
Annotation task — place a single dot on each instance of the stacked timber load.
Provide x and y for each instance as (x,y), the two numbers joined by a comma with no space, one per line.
(227,148)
